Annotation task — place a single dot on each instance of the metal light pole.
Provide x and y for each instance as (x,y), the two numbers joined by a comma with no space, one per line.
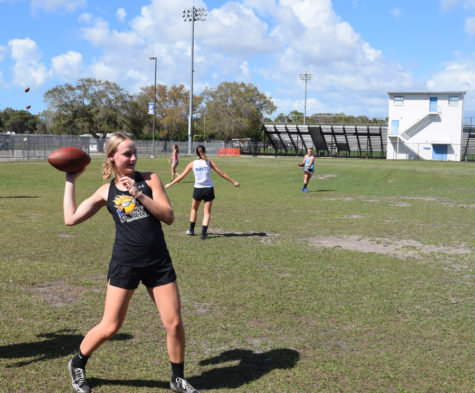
(154,106)
(305,76)
(192,15)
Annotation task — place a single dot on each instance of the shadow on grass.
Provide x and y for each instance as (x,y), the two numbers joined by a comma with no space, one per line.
(54,345)
(250,367)
(252,234)
(312,191)
(17,196)
(138,383)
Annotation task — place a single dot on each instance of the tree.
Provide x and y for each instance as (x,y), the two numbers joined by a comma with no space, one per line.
(235,110)
(92,106)
(172,109)
(4,116)
(17,121)
(296,117)
(136,119)
(281,118)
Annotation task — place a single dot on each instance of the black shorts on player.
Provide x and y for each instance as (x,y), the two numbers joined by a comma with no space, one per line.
(128,277)
(203,194)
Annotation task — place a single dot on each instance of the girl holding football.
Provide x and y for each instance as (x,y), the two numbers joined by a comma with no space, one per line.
(138,204)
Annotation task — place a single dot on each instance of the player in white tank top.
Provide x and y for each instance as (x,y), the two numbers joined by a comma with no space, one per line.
(203,190)
(202,172)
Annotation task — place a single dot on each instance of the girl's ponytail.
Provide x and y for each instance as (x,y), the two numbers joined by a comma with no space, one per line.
(201,152)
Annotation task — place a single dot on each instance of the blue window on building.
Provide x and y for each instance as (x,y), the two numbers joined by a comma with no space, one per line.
(453,100)
(433,104)
(398,100)
(394,127)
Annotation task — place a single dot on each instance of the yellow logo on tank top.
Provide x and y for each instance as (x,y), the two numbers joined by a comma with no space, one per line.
(128,209)
(125,203)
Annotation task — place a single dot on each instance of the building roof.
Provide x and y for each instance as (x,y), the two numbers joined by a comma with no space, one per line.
(427,92)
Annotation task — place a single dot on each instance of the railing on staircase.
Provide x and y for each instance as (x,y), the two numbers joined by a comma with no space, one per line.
(420,124)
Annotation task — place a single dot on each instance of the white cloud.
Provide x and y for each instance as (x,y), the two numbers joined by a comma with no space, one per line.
(237,30)
(124,56)
(459,75)
(447,5)
(103,71)
(58,5)
(395,12)
(245,72)
(326,45)
(85,18)
(121,14)
(98,34)
(28,68)
(470,25)
(68,66)
(277,38)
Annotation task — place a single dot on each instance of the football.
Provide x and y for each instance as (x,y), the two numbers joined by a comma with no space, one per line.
(301,164)
(69,159)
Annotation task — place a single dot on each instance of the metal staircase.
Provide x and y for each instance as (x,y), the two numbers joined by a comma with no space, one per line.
(420,124)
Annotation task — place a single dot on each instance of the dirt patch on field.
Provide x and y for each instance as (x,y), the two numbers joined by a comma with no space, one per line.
(325,176)
(402,249)
(401,204)
(58,294)
(65,235)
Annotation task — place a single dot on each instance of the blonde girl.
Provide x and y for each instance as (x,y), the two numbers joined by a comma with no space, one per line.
(138,204)
(308,168)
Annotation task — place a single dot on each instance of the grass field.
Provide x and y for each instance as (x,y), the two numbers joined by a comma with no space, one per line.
(365,284)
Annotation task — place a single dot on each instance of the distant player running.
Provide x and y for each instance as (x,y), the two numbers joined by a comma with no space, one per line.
(308,168)
(204,190)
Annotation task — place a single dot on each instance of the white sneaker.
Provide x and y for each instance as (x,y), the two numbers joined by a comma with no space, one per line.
(181,385)
(78,379)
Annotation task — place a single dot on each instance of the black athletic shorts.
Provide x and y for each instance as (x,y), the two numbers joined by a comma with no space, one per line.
(128,277)
(203,194)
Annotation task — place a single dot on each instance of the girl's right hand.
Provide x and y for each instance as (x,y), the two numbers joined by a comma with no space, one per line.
(71,177)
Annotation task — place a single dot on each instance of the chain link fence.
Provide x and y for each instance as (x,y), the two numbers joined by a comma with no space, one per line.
(38,147)
(29,147)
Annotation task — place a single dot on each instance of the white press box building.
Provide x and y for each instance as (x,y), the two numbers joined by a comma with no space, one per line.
(425,125)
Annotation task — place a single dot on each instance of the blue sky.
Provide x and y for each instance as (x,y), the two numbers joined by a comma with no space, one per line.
(356,50)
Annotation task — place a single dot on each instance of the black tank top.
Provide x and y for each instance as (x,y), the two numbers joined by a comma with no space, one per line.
(139,239)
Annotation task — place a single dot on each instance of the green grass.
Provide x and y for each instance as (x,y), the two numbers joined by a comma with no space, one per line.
(267,307)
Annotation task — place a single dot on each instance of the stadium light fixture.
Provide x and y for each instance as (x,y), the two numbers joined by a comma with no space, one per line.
(305,76)
(192,15)
(154,105)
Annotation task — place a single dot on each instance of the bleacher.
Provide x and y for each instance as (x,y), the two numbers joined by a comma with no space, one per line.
(468,142)
(332,140)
